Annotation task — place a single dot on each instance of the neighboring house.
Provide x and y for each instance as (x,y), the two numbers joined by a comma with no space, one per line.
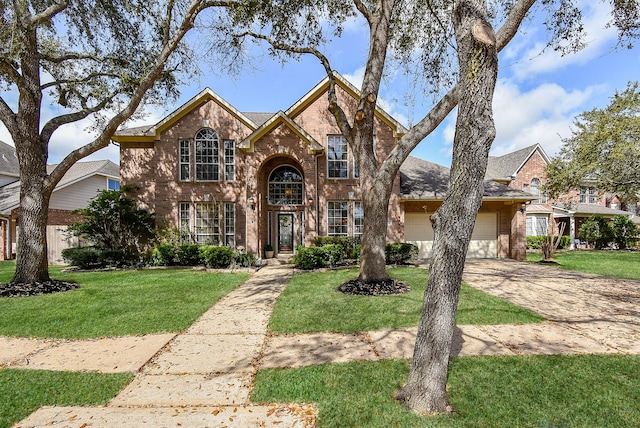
(79,185)
(249,180)
(9,170)
(524,170)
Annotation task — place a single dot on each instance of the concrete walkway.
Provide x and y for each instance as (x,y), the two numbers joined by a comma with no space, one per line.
(203,377)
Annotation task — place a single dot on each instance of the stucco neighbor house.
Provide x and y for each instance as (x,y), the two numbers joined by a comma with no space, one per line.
(524,170)
(255,179)
(79,185)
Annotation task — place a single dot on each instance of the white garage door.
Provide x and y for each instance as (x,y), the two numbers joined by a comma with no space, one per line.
(484,240)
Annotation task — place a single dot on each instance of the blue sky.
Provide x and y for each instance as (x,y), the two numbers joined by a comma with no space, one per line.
(537,97)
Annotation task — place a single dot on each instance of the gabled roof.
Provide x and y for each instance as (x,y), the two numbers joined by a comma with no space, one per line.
(423,180)
(503,168)
(10,194)
(276,120)
(8,160)
(323,86)
(151,133)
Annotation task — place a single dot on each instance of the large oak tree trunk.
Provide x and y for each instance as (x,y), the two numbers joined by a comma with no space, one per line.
(375,203)
(425,391)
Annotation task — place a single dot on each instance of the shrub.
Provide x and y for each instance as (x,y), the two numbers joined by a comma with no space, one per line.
(188,255)
(164,255)
(400,253)
(334,253)
(216,257)
(625,232)
(118,258)
(243,259)
(355,253)
(83,257)
(348,243)
(309,257)
(596,230)
(535,242)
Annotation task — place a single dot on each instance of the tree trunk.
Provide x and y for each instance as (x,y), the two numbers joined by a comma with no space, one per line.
(31,260)
(375,203)
(425,391)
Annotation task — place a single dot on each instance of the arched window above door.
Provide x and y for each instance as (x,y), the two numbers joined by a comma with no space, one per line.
(285,186)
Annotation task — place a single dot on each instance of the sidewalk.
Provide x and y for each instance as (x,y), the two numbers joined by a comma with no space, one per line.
(201,377)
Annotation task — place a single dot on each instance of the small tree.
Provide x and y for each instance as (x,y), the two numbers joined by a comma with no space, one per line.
(112,221)
(596,230)
(625,232)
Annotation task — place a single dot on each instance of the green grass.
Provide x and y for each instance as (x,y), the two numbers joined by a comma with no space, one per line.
(116,303)
(532,391)
(616,264)
(311,304)
(23,391)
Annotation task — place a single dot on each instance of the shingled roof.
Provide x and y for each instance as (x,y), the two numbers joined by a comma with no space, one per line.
(8,160)
(503,168)
(10,194)
(424,180)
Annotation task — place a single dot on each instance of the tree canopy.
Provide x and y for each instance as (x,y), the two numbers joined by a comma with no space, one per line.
(603,150)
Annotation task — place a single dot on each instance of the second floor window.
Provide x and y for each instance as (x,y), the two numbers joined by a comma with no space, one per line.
(337,157)
(200,159)
(207,156)
(588,195)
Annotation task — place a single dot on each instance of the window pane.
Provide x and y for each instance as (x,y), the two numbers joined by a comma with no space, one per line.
(285,186)
(229,224)
(337,157)
(207,223)
(229,160)
(185,160)
(113,184)
(337,218)
(207,155)
(184,222)
(358,219)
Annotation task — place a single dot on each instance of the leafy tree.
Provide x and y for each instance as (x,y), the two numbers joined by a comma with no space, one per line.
(625,232)
(421,32)
(112,221)
(94,60)
(604,149)
(596,230)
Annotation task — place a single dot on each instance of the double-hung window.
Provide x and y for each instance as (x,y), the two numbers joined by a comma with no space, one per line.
(185,160)
(358,219)
(337,157)
(229,160)
(207,223)
(207,155)
(338,218)
(113,184)
(587,195)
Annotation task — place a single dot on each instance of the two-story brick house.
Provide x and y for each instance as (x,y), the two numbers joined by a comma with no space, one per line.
(255,179)
(524,170)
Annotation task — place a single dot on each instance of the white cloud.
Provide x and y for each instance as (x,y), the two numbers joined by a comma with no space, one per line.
(527,52)
(542,115)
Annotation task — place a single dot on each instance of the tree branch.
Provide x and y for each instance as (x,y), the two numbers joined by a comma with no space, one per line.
(8,117)
(46,15)
(52,125)
(364,10)
(75,81)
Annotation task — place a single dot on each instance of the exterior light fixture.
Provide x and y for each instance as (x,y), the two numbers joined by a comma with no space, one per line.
(310,203)
(252,202)
(523,207)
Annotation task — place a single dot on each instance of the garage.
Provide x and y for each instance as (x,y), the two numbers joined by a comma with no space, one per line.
(484,240)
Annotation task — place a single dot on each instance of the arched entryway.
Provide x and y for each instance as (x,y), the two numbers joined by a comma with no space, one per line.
(282,218)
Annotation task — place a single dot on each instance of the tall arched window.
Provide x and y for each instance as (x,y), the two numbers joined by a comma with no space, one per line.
(285,186)
(207,155)
(535,187)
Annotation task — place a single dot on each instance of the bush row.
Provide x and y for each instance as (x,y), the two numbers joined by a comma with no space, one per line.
(535,242)
(342,252)
(162,255)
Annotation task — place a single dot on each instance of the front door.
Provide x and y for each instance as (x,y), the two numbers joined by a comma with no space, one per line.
(285,233)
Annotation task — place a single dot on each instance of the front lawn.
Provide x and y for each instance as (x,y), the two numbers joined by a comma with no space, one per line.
(617,264)
(24,391)
(115,303)
(311,303)
(532,391)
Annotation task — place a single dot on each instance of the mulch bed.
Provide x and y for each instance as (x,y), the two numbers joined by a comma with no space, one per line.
(380,288)
(14,289)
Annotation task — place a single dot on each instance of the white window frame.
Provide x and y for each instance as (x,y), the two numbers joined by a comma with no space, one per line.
(588,195)
(184,160)
(230,224)
(334,141)
(343,218)
(207,155)
(229,160)
(114,181)
(358,220)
